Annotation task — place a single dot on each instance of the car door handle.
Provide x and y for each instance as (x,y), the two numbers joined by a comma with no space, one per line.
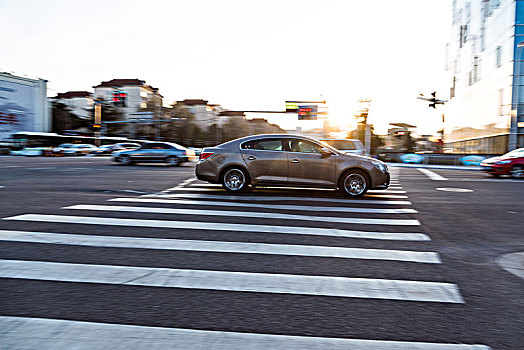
(295,161)
(251,158)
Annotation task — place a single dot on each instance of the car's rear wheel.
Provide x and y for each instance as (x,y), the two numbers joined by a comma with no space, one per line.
(173,161)
(126,160)
(235,180)
(354,183)
(517,172)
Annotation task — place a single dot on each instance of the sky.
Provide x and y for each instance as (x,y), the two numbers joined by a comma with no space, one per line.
(243,54)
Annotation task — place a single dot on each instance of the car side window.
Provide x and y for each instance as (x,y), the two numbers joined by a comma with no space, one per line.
(304,146)
(264,145)
(148,146)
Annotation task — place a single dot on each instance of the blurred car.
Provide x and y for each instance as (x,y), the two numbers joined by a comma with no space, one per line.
(511,163)
(196,150)
(108,149)
(77,149)
(348,146)
(289,160)
(167,152)
(30,151)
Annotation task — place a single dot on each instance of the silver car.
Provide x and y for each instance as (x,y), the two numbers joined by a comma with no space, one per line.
(289,160)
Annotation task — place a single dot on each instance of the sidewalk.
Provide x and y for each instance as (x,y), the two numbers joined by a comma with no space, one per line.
(435,166)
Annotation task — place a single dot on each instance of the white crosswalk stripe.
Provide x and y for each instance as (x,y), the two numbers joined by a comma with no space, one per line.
(264,198)
(219,246)
(233,281)
(214,226)
(269,206)
(52,334)
(246,214)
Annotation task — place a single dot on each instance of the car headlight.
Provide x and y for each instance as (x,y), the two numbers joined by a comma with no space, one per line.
(381,166)
(503,162)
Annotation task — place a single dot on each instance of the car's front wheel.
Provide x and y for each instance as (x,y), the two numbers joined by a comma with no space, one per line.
(517,171)
(354,183)
(235,180)
(173,161)
(126,160)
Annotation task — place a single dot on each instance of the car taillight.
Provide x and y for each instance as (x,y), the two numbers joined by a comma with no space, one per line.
(205,155)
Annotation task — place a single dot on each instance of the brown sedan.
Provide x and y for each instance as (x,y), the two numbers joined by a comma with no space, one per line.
(289,160)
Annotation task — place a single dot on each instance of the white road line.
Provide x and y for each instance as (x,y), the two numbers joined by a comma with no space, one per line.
(220,246)
(269,206)
(233,281)
(388,191)
(245,214)
(432,175)
(215,226)
(183,184)
(277,198)
(53,334)
(220,189)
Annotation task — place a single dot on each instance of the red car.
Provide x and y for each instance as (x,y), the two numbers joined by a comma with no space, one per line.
(511,163)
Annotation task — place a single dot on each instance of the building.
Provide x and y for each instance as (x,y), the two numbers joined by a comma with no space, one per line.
(79,103)
(485,113)
(23,105)
(204,114)
(130,96)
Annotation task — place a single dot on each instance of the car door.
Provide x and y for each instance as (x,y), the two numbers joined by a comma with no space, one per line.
(307,165)
(266,160)
(144,153)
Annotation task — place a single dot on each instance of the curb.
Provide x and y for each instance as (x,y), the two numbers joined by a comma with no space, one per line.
(434,166)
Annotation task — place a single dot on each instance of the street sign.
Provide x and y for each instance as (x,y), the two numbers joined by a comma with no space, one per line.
(308,112)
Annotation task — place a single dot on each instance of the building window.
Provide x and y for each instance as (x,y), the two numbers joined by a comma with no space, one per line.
(476,69)
(482,38)
(501,102)
(498,56)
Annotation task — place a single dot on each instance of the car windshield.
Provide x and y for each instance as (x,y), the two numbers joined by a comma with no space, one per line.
(515,153)
(340,144)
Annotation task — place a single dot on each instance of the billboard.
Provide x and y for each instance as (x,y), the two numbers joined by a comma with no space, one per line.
(23,105)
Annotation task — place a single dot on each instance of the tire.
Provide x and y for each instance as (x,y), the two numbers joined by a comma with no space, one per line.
(235,180)
(126,160)
(354,183)
(78,153)
(173,161)
(517,172)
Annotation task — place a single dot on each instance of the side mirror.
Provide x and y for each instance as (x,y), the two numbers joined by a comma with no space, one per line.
(325,152)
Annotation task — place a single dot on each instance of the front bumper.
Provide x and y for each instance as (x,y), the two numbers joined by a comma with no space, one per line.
(498,169)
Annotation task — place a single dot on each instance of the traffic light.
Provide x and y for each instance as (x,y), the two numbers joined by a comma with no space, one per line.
(433,99)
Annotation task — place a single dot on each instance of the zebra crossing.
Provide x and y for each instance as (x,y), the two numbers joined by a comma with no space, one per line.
(251,224)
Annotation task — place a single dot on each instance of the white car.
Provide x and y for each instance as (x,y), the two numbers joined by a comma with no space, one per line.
(70,149)
(30,151)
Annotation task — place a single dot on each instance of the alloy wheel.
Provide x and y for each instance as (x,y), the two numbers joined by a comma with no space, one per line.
(355,184)
(517,171)
(234,180)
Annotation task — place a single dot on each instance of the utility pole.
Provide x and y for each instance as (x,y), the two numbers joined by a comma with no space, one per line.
(366,103)
(98,121)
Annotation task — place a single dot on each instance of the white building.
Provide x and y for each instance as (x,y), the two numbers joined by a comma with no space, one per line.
(204,114)
(79,103)
(23,105)
(134,95)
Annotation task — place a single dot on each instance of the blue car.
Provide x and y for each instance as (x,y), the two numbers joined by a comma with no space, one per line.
(164,152)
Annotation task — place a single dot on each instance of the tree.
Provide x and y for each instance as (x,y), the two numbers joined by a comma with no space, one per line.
(63,119)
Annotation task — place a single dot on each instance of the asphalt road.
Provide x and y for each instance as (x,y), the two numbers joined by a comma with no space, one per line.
(66,279)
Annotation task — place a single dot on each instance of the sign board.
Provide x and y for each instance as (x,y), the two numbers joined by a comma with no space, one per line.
(23,105)
(308,112)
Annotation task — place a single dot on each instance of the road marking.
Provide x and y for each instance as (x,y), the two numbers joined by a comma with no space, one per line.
(263,198)
(215,226)
(245,214)
(453,189)
(346,287)
(220,246)
(432,175)
(386,191)
(54,334)
(181,185)
(269,206)
(374,193)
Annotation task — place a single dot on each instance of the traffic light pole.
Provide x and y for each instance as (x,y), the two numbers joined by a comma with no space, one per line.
(98,122)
